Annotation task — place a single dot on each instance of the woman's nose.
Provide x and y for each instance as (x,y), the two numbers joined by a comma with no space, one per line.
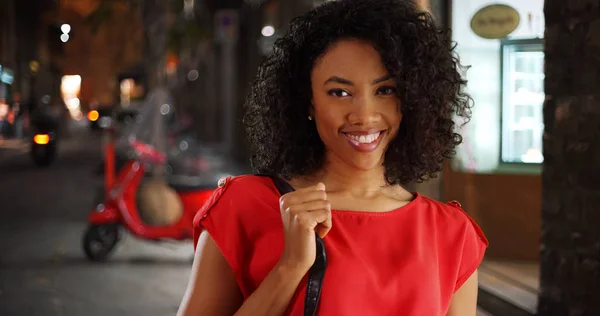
(364,112)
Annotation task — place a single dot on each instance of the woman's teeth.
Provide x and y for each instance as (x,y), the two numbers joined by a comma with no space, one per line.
(364,139)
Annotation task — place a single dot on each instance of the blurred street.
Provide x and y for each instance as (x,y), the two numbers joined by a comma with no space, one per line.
(43,270)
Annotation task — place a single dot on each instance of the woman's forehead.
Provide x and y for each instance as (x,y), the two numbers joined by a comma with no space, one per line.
(349,57)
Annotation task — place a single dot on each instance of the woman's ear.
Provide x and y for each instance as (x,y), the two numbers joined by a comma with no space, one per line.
(311,108)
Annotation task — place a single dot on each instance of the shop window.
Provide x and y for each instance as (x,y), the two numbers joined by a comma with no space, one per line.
(522,101)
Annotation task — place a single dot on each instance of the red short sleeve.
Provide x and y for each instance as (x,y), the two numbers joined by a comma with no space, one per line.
(234,216)
(474,244)
(219,219)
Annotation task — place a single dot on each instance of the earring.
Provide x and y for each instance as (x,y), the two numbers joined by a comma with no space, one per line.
(310,118)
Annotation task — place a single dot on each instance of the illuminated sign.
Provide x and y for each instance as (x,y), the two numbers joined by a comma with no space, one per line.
(6,75)
(495,21)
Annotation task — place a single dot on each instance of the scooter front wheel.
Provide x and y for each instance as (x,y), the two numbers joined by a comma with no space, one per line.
(100,240)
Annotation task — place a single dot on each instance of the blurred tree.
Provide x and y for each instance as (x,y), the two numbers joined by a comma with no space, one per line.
(166,31)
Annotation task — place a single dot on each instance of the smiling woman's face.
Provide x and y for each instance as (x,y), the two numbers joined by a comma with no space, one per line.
(355,107)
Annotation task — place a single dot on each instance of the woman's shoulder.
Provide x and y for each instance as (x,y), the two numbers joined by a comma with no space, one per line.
(241,189)
(451,217)
(243,183)
(234,193)
(237,200)
(451,210)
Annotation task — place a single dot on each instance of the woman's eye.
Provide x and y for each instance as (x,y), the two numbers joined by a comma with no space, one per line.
(386,90)
(338,93)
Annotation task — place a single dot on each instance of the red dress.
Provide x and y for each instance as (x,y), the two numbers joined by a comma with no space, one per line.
(409,261)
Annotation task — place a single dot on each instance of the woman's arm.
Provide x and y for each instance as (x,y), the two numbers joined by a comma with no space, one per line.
(213,289)
(464,301)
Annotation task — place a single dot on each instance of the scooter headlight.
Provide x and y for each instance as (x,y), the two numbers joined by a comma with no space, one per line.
(100,208)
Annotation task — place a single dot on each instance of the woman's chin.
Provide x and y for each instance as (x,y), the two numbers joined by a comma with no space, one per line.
(364,164)
(355,161)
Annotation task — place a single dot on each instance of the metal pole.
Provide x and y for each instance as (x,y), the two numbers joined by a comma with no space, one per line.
(109,160)
(226,24)
(229,93)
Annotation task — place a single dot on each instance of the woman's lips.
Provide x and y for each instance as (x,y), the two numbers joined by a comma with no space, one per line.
(364,142)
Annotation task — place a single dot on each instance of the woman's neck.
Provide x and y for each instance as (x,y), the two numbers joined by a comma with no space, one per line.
(340,177)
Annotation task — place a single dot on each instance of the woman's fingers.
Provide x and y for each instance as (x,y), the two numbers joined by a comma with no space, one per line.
(310,220)
(308,206)
(312,193)
(325,222)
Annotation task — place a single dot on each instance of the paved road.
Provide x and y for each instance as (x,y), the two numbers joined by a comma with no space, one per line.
(42,267)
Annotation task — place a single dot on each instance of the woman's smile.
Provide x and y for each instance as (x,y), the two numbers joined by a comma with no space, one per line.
(364,141)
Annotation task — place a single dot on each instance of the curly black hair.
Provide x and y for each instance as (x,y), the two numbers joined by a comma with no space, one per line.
(419,54)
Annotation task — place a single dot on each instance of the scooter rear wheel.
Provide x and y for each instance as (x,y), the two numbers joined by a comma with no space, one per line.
(100,240)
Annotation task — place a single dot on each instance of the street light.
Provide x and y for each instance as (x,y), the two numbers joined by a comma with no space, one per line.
(65,28)
(267,31)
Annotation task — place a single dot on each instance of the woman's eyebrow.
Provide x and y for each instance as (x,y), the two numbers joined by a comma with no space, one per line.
(336,79)
(382,79)
(340,80)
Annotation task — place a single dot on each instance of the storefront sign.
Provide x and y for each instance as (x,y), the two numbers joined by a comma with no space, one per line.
(7,75)
(495,21)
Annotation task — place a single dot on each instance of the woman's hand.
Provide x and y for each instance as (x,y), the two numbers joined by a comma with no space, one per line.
(303,212)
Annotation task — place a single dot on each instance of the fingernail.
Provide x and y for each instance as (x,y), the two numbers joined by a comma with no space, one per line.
(321,186)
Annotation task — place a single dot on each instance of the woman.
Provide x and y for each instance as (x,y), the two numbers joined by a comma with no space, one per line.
(358,98)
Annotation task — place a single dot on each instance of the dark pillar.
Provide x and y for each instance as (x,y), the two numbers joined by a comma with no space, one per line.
(570,254)
(249,58)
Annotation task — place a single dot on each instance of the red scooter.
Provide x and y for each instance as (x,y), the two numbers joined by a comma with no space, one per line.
(120,210)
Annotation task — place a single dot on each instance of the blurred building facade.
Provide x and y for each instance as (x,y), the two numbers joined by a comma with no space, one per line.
(496,174)
(99,49)
(8,48)
(530,149)
(26,69)
(502,151)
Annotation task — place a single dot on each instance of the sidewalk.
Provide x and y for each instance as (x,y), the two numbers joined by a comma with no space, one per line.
(12,147)
(509,287)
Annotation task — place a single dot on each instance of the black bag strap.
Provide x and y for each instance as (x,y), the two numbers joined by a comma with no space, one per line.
(316,273)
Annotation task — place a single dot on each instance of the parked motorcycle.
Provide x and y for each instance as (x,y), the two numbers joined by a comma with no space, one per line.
(44,140)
